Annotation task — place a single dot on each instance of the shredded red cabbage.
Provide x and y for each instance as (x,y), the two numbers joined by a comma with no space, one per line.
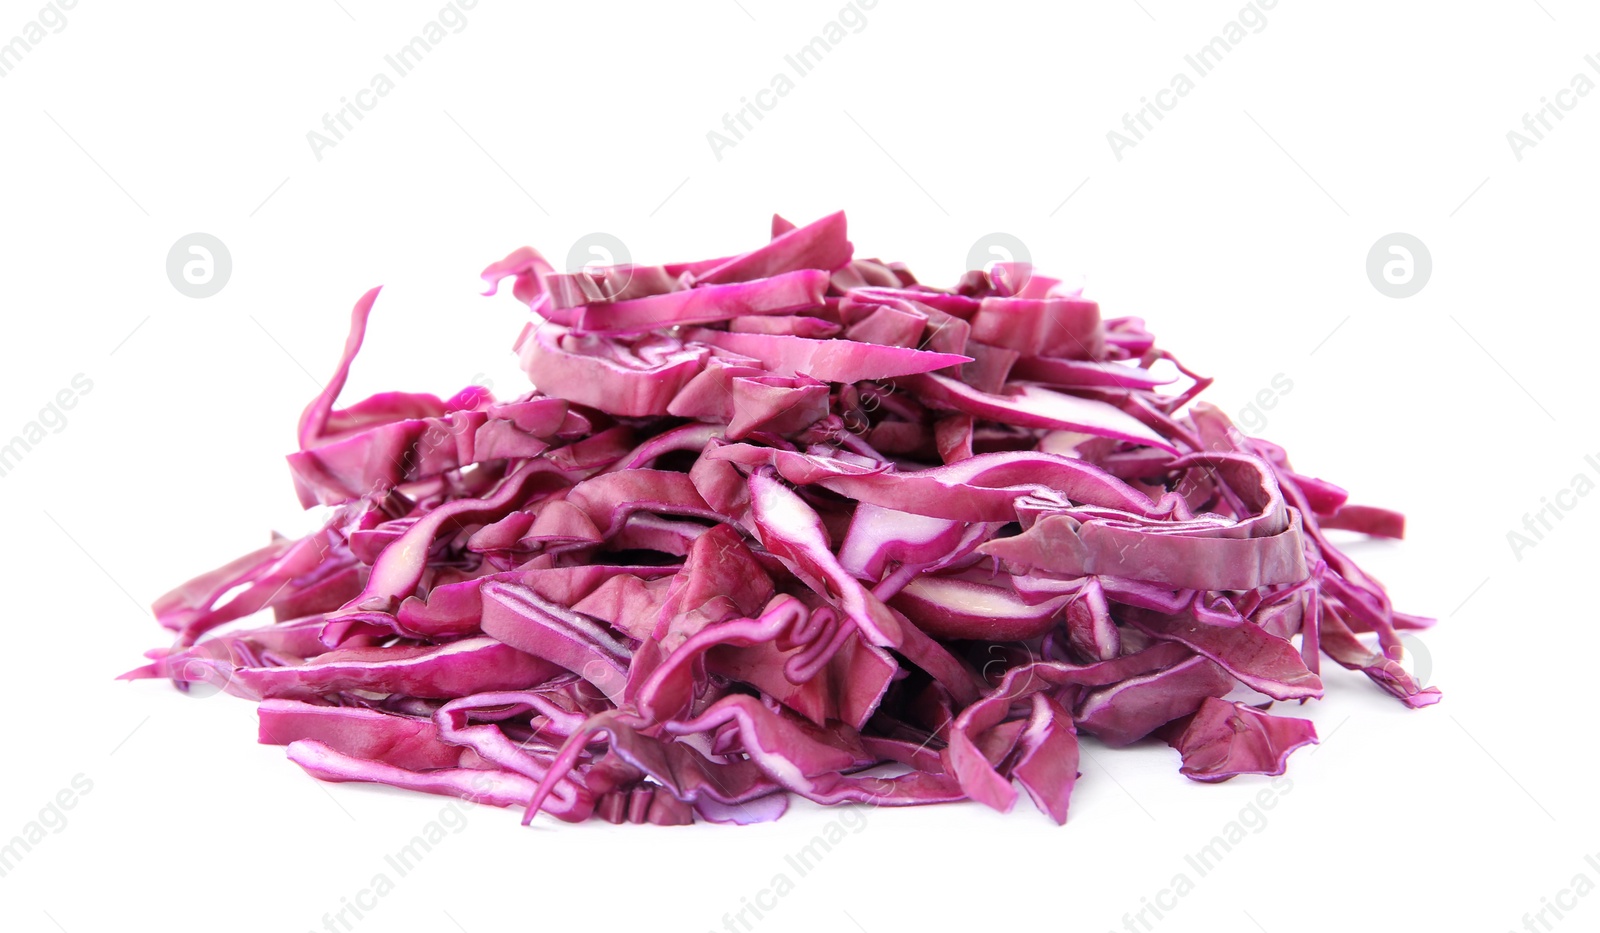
(789,522)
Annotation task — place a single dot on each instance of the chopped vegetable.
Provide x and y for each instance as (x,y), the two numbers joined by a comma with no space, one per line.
(782,523)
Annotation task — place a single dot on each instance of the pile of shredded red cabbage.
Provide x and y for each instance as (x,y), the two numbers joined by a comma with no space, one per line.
(790,522)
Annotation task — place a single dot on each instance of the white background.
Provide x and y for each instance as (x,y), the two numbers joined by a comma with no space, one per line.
(1239,229)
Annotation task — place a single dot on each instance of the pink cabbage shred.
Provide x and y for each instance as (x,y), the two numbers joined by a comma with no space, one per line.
(789,523)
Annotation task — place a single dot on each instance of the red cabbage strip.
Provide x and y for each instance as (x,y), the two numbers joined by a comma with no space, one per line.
(517,616)
(380,458)
(1033,407)
(1054,327)
(608,283)
(671,687)
(983,488)
(720,579)
(789,522)
(453,670)
(633,380)
(496,788)
(781,294)
(455,723)
(1061,373)
(789,529)
(1224,740)
(966,762)
(1047,761)
(677,766)
(1341,644)
(952,608)
(827,360)
(817,245)
(400,568)
(197,598)
(315,420)
(455,610)
(1252,655)
(529,269)
(1091,630)
(213,659)
(412,744)
(1261,548)
(1128,711)
(810,761)
(267,581)
(1368,520)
